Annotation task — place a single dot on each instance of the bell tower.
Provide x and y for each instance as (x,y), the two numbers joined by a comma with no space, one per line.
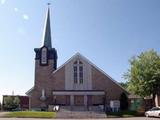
(45,64)
(46,53)
(45,57)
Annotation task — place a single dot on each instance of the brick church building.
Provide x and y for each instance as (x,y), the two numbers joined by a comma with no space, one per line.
(78,82)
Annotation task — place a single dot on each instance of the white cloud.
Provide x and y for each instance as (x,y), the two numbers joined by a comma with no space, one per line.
(25,17)
(3,1)
(16,9)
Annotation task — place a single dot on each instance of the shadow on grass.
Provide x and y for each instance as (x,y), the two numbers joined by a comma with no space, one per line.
(124,114)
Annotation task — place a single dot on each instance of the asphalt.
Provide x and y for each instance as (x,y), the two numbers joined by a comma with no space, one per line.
(133,118)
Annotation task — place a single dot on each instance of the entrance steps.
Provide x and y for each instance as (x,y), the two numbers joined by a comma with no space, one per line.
(80,112)
(81,108)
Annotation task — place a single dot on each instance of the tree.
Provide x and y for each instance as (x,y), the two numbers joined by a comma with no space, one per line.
(124,85)
(144,74)
(123,102)
(11,102)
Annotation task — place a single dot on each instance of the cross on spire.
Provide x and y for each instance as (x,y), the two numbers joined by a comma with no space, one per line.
(48,4)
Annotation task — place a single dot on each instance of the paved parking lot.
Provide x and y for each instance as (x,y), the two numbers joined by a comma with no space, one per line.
(134,118)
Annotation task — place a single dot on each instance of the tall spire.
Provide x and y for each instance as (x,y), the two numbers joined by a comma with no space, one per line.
(47,31)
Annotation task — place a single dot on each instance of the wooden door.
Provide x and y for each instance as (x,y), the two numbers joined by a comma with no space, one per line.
(79,100)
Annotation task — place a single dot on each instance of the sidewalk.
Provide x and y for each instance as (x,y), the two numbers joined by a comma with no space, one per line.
(2,114)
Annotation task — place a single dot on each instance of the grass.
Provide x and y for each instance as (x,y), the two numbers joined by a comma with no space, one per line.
(30,114)
(123,114)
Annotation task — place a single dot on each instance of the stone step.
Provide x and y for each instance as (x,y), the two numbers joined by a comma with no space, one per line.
(80,112)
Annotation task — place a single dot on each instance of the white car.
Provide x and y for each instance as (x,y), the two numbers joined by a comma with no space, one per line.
(154,112)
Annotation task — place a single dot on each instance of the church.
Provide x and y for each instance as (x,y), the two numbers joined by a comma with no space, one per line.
(77,82)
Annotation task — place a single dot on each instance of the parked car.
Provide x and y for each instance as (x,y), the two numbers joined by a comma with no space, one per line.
(154,112)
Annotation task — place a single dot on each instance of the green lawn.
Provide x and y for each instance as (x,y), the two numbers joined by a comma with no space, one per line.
(31,114)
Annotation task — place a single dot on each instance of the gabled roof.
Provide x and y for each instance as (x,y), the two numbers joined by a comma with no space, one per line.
(29,91)
(89,62)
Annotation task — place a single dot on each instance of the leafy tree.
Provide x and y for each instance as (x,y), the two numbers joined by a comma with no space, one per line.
(124,85)
(144,74)
(123,102)
(11,102)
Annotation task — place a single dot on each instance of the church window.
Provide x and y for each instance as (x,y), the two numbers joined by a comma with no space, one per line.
(81,74)
(80,63)
(75,62)
(75,75)
(44,56)
(78,72)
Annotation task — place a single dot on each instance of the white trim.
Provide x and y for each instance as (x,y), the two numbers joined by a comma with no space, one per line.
(72,100)
(65,63)
(78,54)
(85,100)
(78,93)
(69,75)
(30,90)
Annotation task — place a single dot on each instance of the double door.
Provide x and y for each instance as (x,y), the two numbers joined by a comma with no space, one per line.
(79,100)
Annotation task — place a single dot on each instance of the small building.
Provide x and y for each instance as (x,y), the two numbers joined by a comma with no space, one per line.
(23,101)
(142,103)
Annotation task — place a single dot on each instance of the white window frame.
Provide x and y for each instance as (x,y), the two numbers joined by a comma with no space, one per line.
(44,56)
(78,64)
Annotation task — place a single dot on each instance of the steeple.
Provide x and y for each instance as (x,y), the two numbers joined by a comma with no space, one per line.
(47,31)
(45,54)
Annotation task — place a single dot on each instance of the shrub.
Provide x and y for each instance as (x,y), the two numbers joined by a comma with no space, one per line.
(11,103)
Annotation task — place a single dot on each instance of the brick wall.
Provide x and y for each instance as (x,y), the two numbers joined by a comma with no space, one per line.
(101,82)
(45,79)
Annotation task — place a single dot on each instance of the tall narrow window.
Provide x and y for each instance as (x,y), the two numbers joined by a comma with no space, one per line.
(78,72)
(75,74)
(81,74)
(44,56)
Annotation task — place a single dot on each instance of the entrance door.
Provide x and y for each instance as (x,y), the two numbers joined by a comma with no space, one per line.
(79,100)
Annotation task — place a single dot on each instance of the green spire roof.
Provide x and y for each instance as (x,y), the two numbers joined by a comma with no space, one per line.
(47,31)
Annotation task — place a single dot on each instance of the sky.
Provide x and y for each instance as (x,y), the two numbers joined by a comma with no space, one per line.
(107,32)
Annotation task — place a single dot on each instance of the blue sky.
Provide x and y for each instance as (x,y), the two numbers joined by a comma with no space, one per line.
(107,32)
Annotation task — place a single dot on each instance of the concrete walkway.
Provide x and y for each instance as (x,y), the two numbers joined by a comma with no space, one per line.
(2,114)
(80,114)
